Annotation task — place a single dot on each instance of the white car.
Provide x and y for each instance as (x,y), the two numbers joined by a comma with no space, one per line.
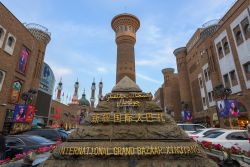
(202,132)
(228,138)
(189,128)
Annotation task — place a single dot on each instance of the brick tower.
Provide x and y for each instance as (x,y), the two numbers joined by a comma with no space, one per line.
(185,93)
(125,26)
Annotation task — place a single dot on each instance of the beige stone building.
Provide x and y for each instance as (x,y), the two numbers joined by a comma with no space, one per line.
(22,51)
(217,54)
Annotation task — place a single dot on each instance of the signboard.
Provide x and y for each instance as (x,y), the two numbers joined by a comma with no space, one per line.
(30,113)
(47,80)
(20,127)
(20,113)
(15,92)
(127,118)
(128,150)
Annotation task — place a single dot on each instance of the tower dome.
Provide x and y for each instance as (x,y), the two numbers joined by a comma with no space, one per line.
(83,101)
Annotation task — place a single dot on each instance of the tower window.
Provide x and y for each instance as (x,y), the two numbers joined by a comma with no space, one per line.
(210,96)
(246,27)
(238,35)
(10,41)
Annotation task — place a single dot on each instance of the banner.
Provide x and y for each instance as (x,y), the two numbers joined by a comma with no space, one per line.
(23,59)
(186,115)
(30,113)
(228,108)
(232,107)
(20,113)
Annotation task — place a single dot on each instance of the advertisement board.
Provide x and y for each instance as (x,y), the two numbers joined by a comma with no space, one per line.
(227,108)
(30,113)
(47,80)
(20,113)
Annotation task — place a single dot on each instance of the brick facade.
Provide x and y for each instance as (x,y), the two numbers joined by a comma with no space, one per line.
(214,57)
(14,38)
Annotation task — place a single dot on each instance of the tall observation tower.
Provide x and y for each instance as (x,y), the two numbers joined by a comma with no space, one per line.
(125,26)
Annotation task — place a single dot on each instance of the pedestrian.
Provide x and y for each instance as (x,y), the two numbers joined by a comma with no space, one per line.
(2,146)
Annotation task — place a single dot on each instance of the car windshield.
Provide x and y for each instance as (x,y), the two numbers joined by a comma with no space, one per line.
(198,131)
(38,139)
(214,135)
(209,131)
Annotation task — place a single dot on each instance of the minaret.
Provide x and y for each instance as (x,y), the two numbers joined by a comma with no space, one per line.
(59,90)
(92,99)
(125,26)
(100,90)
(75,96)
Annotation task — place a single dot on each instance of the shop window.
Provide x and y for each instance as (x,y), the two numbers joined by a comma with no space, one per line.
(219,49)
(238,35)
(2,76)
(226,81)
(233,78)
(246,27)
(225,46)
(247,70)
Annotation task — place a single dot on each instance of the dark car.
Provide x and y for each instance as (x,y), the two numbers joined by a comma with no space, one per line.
(18,144)
(51,134)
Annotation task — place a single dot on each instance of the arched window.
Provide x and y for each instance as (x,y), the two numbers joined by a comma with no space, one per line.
(10,41)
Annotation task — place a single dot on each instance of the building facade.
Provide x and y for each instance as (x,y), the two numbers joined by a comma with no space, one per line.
(22,51)
(217,55)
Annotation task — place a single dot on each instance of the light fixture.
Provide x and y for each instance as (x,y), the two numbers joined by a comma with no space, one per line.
(3,104)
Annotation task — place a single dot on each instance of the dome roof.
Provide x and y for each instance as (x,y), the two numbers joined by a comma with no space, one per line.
(83,101)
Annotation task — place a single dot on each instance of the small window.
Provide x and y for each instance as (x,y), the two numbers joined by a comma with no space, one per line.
(210,97)
(200,82)
(10,41)
(246,27)
(238,35)
(226,80)
(204,101)
(2,75)
(1,33)
(247,70)
(219,49)
(233,78)
(225,46)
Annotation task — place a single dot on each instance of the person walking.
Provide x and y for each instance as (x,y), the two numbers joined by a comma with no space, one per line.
(2,146)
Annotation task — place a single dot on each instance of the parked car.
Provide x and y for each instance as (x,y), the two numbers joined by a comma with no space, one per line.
(202,132)
(189,128)
(51,134)
(70,131)
(228,138)
(17,144)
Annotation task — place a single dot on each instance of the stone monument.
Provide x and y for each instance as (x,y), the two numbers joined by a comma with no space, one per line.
(128,129)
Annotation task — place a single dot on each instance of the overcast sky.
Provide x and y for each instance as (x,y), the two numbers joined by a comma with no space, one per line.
(82,42)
